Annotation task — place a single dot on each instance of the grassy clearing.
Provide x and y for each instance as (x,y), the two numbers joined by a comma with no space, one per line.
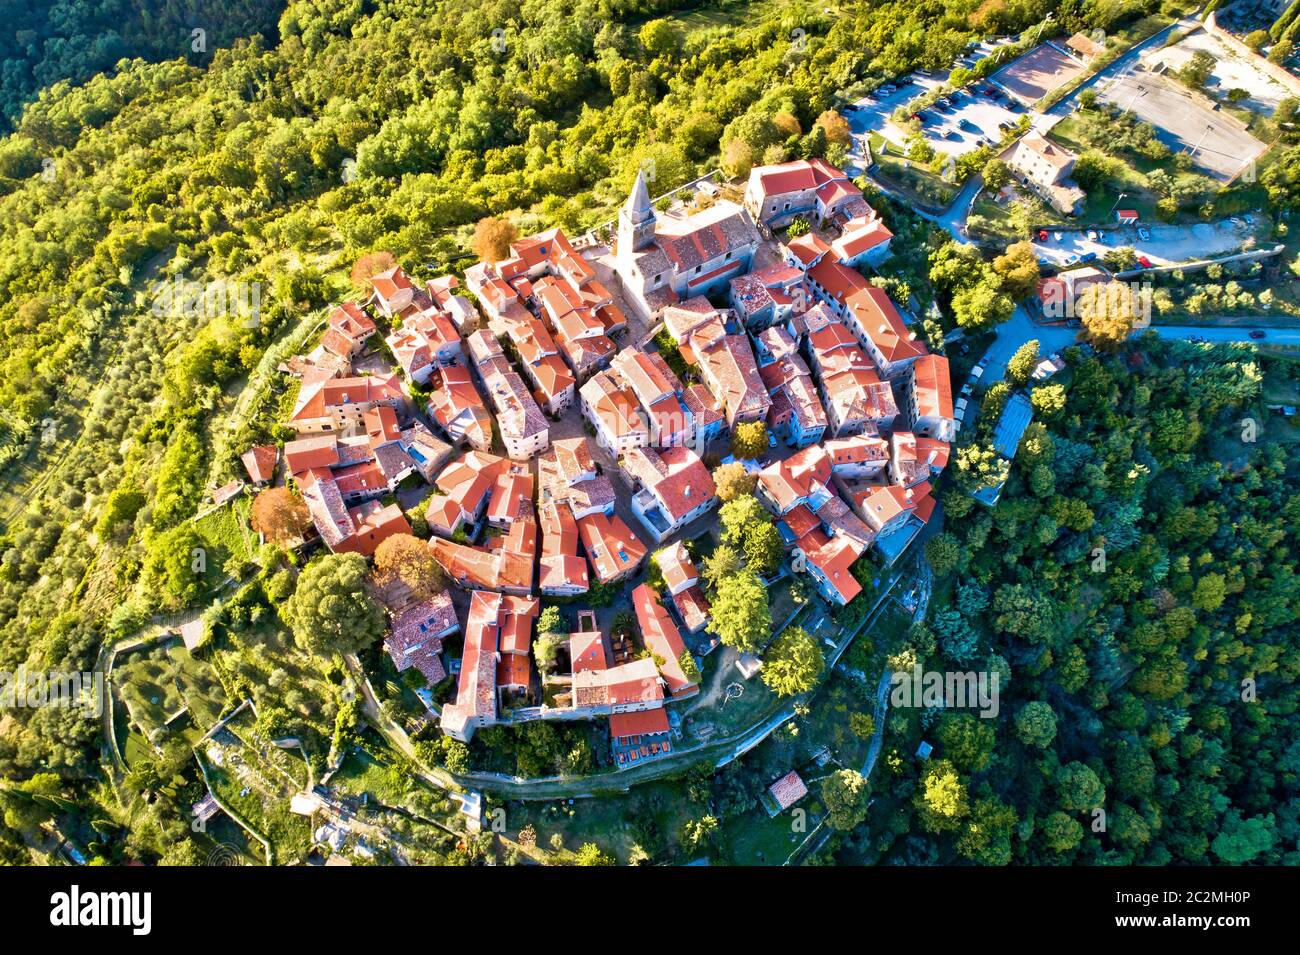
(911,178)
(230,541)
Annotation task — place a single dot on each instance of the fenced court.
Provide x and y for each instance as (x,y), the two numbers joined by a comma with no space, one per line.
(1037,73)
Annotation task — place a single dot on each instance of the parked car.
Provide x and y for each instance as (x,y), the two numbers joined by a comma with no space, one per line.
(1071,260)
(1058,237)
(771,441)
(1143,234)
(1144,262)
(920,72)
(1257,333)
(965,123)
(1092,235)
(1042,235)
(1088,257)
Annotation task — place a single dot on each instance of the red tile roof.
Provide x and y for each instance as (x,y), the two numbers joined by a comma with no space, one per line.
(639,723)
(662,639)
(260,461)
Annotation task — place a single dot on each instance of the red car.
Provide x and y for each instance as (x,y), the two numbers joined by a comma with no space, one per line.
(1144,262)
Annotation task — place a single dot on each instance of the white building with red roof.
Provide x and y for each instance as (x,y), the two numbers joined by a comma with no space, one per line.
(874,320)
(768,296)
(505,564)
(498,641)
(668,258)
(425,340)
(796,413)
(614,412)
(459,409)
(464,489)
(340,404)
(349,328)
(522,425)
(614,551)
(664,641)
(562,571)
(260,461)
(857,457)
(673,488)
(392,291)
(416,635)
(813,188)
(863,241)
(927,396)
(785,792)
(567,474)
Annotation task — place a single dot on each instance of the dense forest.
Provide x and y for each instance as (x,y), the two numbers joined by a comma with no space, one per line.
(1136,588)
(324,130)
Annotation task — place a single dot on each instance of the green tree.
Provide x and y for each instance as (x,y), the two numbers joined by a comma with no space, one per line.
(739,517)
(793,663)
(941,801)
(1061,833)
(1036,724)
(663,37)
(590,854)
(845,794)
(986,835)
(749,440)
(1022,363)
(721,564)
(741,617)
(943,551)
(733,481)
(996,174)
(763,549)
(1080,789)
(1243,840)
(1018,268)
(331,611)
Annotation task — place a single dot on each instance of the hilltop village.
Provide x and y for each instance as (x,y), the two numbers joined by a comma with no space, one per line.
(556,425)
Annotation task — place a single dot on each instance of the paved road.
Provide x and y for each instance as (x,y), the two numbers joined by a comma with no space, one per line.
(1052,338)
(1236,333)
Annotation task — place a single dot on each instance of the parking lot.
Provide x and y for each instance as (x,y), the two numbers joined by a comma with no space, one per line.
(1219,145)
(1164,245)
(952,129)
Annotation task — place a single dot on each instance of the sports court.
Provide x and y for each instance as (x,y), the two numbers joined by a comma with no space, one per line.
(1037,73)
(1219,145)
